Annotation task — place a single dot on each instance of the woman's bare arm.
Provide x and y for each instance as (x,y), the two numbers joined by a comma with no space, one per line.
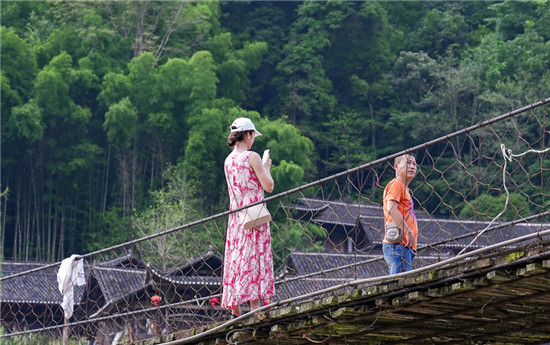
(262,171)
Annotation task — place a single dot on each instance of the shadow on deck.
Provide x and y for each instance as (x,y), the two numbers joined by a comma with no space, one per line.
(501,298)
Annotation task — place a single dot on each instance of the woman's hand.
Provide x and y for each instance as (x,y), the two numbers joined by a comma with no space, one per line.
(262,171)
(267,164)
(266,160)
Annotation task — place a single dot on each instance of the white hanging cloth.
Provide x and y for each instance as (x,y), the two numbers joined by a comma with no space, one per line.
(70,274)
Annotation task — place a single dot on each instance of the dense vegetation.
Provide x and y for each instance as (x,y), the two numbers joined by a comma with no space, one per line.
(106,104)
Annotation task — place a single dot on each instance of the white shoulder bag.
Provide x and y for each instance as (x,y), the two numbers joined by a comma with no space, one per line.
(254,216)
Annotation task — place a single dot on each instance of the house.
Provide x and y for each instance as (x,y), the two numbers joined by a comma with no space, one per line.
(31,300)
(181,298)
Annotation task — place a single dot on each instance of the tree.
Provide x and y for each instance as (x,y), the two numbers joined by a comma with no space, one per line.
(50,130)
(440,32)
(510,17)
(235,69)
(66,151)
(17,14)
(173,206)
(166,28)
(290,151)
(88,85)
(203,160)
(362,46)
(306,91)
(373,95)
(120,123)
(267,22)
(346,142)
(487,207)
(26,123)
(18,63)
(295,236)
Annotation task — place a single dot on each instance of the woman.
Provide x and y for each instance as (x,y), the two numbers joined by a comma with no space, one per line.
(248,262)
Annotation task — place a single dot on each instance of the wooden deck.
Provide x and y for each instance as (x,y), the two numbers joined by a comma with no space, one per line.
(502,298)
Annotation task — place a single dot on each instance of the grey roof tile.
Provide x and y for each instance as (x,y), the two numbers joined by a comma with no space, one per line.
(116,283)
(37,287)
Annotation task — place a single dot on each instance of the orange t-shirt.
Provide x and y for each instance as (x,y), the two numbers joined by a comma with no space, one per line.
(397,191)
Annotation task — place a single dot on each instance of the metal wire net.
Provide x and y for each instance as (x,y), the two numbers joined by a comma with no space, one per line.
(474,188)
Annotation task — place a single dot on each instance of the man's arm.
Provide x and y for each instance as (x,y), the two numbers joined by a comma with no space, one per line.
(399,220)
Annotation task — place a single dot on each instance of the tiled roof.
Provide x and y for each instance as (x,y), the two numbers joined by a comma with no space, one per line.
(306,263)
(15,267)
(116,283)
(128,261)
(310,205)
(301,287)
(116,279)
(455,233)
(37,287)
(206,264)
(212,280)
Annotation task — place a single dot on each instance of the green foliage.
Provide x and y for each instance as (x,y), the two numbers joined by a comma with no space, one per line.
(515,256)
(510,17)
(288,176)
(39,339)
(267,22)
(285,142)
(346,141)
(361,46)
(17,14)
(203,162)
(413,76)
(10,97)
(200,81)
(308,92)
(166,29)
(239,69)
(65,39)
(487,207)
(115,87)
(52,93)
(118,123)
(173,206)
(94,109)
(440,32)
(114,228)
(26,122)
(295,236)
(18,62)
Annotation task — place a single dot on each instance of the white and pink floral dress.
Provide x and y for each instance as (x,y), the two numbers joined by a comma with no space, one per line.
(248,262)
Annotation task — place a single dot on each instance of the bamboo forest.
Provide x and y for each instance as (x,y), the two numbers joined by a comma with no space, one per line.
(115,114)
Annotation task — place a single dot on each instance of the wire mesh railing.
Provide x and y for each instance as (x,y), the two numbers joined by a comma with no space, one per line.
(476,189)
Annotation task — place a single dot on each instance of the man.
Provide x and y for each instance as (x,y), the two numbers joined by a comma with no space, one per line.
(399,208)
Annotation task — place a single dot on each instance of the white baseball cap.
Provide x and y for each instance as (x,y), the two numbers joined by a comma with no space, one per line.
(243,124)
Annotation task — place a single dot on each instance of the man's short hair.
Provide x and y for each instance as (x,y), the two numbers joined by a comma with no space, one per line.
(399,158)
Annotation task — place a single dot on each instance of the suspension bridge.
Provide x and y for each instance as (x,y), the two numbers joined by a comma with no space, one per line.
(480,275)
(501,298)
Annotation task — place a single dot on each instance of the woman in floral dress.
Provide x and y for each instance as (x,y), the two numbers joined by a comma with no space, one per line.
(248,262)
